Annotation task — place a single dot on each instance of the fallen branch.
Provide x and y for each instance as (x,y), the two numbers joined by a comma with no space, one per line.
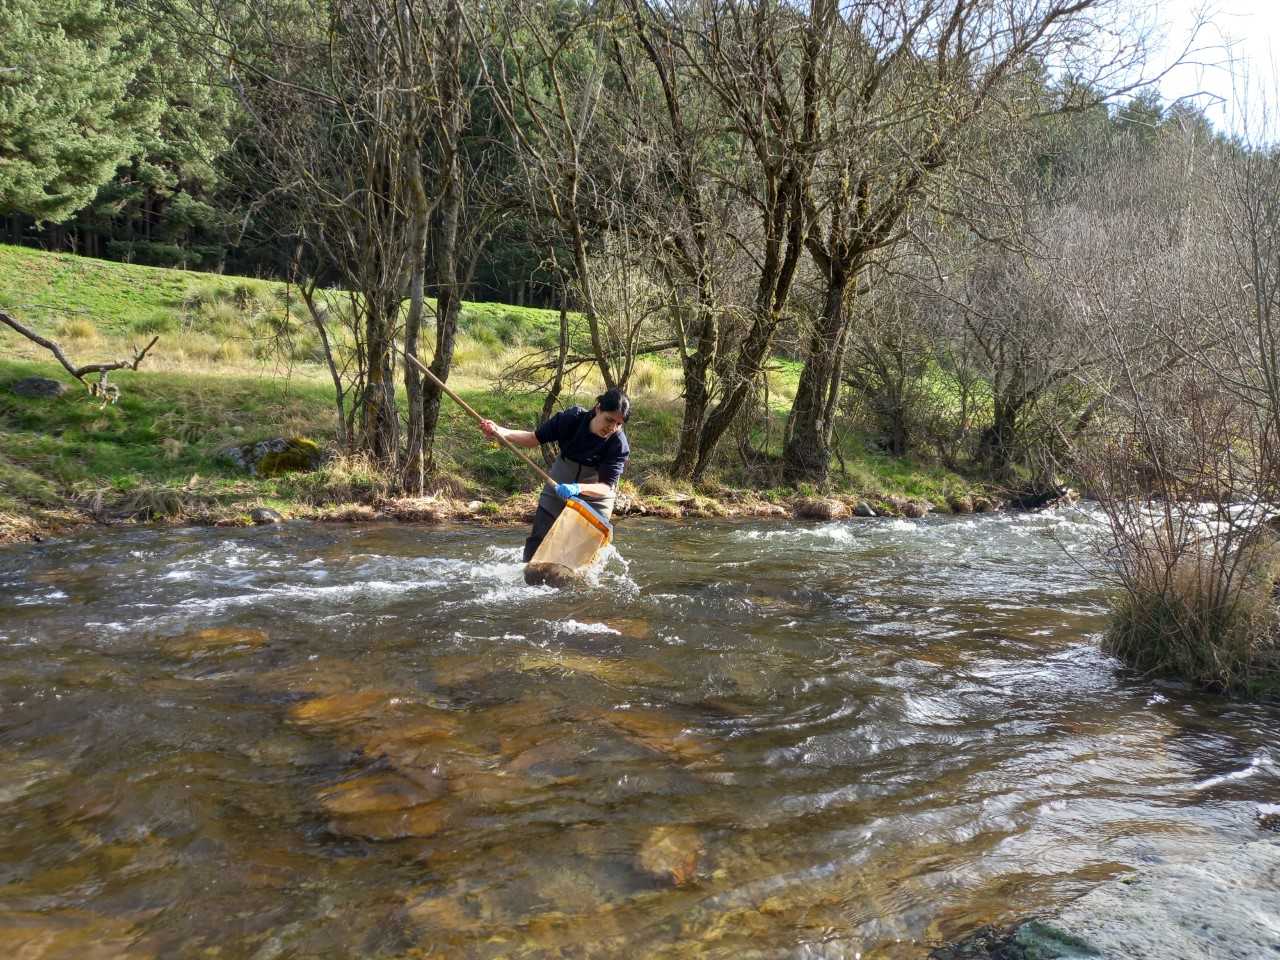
(109,392)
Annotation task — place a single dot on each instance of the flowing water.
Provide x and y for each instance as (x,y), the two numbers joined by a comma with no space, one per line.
(743,740)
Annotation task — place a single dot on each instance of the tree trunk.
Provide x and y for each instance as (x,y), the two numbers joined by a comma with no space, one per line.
(413,476)
(750,362)
(379,421)
(807,456)
(448,303)
(557,384)
(697,388)
(999,440)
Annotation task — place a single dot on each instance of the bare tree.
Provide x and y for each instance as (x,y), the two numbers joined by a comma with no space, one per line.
(357,109)
(553,80)
(689,215)
(919,97)
(763,64)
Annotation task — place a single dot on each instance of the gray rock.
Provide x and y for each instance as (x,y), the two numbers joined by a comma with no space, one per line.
(270,458)
(864,509)
(264,515)
(39,387)
(1227,908)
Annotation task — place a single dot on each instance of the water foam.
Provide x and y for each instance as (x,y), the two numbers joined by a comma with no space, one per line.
(578,627)
(1262,762)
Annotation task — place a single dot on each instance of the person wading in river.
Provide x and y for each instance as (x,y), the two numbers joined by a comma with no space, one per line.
(593,453)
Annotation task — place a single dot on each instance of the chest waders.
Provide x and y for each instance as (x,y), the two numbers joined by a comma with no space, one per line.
(550,505)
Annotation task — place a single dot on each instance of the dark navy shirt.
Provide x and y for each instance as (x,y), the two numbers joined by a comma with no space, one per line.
(571,430)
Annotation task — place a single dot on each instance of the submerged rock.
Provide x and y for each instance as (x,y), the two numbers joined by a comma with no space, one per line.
(660,733)
(216,640)
(340,708)
(427,726)
(671,854)
(68,933)
(378,793)
(457,669)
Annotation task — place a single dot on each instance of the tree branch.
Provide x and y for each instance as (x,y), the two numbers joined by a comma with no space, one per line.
(102,389)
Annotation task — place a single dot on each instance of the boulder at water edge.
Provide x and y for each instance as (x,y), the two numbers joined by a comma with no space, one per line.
(820,509)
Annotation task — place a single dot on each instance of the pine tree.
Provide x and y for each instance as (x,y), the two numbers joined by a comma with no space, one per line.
(67,117)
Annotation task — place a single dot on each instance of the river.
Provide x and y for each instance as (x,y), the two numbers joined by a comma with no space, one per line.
(850,739)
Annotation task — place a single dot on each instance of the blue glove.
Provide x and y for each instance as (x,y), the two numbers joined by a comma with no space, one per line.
(566,490)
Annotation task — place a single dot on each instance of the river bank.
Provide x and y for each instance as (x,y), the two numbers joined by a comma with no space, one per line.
(237,362)
(161,453)
(440,508)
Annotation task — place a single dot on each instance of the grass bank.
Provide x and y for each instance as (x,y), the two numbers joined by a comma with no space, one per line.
(235,363)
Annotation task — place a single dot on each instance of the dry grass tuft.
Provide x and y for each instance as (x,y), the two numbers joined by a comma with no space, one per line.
(415,509)
(1201,614)
(655,381)
(79,329)
(347,513)
(343,479)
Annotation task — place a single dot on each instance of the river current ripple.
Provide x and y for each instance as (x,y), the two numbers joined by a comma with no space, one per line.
(849,739)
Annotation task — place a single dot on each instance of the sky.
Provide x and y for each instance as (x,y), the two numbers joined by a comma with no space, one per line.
(1239,34)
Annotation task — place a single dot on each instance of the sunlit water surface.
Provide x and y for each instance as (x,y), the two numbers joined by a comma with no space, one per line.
(743,740)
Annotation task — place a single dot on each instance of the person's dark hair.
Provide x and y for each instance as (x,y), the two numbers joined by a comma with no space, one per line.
(615,401)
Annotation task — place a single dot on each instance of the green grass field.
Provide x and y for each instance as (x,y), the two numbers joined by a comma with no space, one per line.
(235,364)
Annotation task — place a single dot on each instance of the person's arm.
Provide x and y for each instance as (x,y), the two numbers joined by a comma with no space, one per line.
(610,473)
(521,438)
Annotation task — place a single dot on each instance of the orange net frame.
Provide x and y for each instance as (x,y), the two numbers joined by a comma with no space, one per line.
(575,539)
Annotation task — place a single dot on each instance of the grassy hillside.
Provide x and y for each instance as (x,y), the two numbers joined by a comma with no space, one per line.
(236,362)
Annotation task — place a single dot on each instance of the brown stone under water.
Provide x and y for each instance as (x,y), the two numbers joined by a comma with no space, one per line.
(378,793)
(215,640)
(670,853)
(340,708)
(67,933)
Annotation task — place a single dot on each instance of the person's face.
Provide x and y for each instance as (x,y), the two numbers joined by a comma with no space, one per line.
(606,422)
